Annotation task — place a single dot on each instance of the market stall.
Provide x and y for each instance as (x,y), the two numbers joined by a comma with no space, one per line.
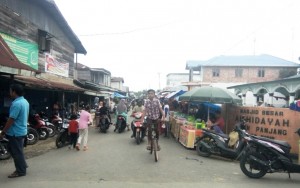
(186,127)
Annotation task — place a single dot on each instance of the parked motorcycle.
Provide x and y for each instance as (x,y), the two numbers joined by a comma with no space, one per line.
(138,128)
(121,123)
(103,123)
(218,144)
(4,153)
(264,155)
(63,138)
(39,125)
(57,122)
(51,128)
(32,136)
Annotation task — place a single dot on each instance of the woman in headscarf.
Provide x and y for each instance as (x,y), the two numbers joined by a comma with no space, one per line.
(122,110)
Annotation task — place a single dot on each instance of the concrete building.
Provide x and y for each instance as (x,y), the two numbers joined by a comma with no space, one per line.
(117,83)
(234,70)
(177,81)
(228,71)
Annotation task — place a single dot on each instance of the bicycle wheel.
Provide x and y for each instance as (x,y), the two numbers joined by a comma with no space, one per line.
(155,150)
(151,146)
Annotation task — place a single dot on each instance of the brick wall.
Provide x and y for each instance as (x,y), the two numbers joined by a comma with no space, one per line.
(250,74)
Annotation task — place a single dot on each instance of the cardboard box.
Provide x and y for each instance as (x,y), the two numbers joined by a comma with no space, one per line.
(187,137)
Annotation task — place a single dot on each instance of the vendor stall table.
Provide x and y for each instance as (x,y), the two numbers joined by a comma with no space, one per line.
(188,136)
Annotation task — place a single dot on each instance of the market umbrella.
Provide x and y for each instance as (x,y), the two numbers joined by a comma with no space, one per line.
(210,94)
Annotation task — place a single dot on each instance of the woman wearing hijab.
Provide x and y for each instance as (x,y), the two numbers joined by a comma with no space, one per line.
(122,110)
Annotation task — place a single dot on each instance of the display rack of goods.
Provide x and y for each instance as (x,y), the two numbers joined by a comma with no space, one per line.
(176,129)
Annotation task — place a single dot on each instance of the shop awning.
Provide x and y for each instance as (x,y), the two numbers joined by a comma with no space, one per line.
(96,94)
(34,82)
(118,95)
(175,94)
(8,60)
(92,86)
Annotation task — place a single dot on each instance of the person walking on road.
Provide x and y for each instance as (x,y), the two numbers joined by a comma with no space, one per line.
(73,131)
(15,129)
(84,122)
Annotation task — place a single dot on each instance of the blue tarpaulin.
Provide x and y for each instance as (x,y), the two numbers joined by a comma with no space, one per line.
(175,94)
(118,95)
(212,107)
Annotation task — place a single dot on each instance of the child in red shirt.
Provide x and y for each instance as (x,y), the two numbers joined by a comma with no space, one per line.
(73,131)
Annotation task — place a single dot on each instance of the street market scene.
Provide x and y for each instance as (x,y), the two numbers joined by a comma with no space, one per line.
(139,94)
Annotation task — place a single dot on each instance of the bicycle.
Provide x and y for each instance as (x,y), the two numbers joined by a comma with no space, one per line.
(154,142)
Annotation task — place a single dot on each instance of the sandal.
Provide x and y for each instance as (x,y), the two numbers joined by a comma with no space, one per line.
(77,147)
(15,175)
(85,148)
(149,147)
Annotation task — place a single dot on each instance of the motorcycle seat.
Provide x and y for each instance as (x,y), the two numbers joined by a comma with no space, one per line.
(220,134)
(278,142)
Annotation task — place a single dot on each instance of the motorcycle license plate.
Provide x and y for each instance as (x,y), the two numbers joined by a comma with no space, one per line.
(137,124)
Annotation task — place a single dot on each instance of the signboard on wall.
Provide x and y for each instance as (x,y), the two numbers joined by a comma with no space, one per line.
(26,52)
(54,66)
(273,123)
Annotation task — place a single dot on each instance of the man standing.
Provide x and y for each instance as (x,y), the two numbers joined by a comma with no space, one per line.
(16,129)
(152,110)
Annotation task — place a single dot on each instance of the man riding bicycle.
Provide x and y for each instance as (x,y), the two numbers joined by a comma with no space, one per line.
(152,110)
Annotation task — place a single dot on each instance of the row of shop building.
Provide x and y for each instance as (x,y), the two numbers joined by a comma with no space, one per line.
(39,50)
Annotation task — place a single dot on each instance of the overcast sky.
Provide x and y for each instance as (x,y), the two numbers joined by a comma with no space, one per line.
(140,40)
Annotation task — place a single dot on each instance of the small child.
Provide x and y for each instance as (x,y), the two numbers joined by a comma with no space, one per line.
(73,131)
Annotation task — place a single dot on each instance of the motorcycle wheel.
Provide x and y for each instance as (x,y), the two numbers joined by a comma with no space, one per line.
(52,130)
(32,136)
(44,134)
(259,171)
(102,129)
(201,149)
(138,137)
(4,154)
(61,139)
(119,127)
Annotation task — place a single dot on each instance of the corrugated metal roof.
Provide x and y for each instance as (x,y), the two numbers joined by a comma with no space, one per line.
(8,58)
(51,7)
(34,82)
(101,70)
(263,60)
(79,66)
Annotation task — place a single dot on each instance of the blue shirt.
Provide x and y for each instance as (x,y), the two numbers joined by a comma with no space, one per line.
(19,111)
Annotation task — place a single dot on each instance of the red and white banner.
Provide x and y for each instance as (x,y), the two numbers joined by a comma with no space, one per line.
(53,66)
